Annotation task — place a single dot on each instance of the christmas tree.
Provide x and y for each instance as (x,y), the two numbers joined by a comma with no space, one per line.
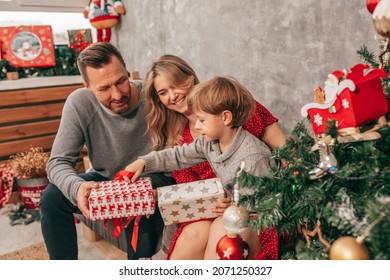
(329,194)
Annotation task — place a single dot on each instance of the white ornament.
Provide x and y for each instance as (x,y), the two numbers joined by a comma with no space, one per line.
(318,119)
(235,219)
(345,103)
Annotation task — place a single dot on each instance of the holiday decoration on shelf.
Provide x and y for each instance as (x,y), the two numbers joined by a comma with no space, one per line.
(235,220)
(79,39)
(351,100)
(189,201)
(65,62)
(103,15)
(28,46)
(66,65)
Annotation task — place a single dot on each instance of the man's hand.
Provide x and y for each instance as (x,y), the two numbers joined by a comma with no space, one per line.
(137,167)
(82,197)
(222,203)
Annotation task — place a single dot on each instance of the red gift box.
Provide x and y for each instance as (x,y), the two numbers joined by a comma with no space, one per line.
(357,98)
(79,39)
(28,46)
(119,199)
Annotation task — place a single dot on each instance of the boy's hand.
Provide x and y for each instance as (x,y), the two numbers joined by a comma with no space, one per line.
(82,197)
(222,203)
(137,167)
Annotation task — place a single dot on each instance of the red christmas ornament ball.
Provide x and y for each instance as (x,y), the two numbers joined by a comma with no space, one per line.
(371,5)
(232,248)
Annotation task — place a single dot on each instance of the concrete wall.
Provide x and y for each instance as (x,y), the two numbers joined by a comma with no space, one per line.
(280,50)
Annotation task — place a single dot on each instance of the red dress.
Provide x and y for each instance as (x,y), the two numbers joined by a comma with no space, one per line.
(255,125)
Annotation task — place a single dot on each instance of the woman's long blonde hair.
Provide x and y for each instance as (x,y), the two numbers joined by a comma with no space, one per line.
(166,126)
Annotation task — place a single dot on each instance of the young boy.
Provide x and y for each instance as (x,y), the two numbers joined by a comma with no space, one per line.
(221,105)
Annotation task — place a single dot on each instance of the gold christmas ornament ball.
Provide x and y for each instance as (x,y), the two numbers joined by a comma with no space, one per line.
(381,18)
(348,248)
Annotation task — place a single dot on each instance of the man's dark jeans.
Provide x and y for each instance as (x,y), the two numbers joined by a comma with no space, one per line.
(59,230)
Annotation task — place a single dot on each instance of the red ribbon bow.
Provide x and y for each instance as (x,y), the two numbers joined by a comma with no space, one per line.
(118,222)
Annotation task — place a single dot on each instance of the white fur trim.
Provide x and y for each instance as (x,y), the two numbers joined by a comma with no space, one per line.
(343,85)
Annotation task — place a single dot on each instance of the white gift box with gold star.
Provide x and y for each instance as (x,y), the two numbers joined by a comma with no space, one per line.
(190,201)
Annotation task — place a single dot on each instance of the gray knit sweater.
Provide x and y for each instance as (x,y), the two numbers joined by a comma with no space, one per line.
(244,148)
(113,141)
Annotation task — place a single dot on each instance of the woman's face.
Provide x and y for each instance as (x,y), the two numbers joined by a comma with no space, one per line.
(174,98)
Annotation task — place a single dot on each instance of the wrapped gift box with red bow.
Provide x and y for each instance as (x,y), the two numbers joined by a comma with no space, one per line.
(190,201)
(118,199)
(79,39)
(28,45)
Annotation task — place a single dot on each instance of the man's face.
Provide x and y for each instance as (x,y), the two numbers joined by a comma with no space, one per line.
(111,86)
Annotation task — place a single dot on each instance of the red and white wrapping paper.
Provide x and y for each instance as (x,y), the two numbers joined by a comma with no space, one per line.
(118,199)
(190,201)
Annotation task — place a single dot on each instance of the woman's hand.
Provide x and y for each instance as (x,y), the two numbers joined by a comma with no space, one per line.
(222,203)
(83,195)
(137,167)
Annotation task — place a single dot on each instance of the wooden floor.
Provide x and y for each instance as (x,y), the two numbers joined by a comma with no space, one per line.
(110,251)
(22,236)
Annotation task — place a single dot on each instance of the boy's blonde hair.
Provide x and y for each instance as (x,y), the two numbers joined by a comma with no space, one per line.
(223,93)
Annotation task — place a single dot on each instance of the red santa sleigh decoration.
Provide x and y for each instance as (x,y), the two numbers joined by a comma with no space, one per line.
(351,100)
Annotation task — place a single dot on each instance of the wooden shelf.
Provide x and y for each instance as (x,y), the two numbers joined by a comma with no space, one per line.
(31,116)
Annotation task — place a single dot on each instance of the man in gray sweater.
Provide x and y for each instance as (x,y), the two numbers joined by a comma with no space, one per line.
(107,116)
